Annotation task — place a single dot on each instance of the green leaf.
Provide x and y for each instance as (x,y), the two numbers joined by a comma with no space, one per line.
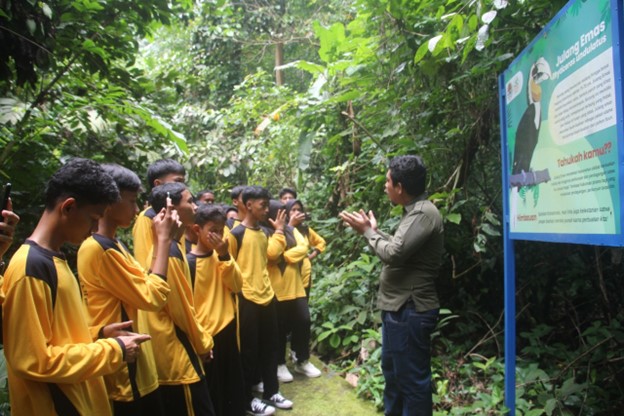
(454,217)
(11,110)
(330,39)
(489,230)
(361,318)
(550,406)
(421,52)
(311,67)
(334,340)
(344,96)
(91,47)
(31,25)
(473,22)
(324,335)
(47,11)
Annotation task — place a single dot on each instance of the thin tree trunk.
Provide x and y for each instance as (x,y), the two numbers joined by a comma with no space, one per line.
(279,61)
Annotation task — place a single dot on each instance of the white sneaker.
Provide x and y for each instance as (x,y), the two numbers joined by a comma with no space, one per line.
(259,388)
(283,375)
(280,401)
(259,408)
(308,369)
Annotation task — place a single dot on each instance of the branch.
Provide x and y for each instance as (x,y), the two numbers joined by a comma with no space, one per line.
(26,39)
(38,100)
(582,355)
(368,133)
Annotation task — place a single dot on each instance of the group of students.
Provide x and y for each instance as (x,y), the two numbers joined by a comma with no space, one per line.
(216,296)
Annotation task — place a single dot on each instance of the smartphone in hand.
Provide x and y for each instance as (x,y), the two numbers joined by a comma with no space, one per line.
(6,196)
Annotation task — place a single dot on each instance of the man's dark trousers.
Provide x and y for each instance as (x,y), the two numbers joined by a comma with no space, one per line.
(406,360)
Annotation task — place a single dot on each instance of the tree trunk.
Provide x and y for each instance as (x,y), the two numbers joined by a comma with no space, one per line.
(279,61)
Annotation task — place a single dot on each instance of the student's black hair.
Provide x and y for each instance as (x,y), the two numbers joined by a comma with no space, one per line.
(274,206)
(236,191)
(161,168)
(410,172)
(125,179)
(158,197)
(285,191)
(204,192)
(206,213)
(84,180)
(255,192)
(228,208)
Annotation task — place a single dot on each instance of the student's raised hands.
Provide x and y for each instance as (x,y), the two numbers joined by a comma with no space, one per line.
(166,224)
(296,218)
(7,228)
(280,220)
(217,243)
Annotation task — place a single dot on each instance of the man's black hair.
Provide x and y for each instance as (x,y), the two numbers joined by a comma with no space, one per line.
(410,172)
(255,192)
(158,197)
(162,168)
(285,191)
(125,179)
(206,213)
(84,180)
(236,191)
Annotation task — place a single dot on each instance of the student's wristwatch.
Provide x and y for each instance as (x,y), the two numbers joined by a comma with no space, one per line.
(2,266)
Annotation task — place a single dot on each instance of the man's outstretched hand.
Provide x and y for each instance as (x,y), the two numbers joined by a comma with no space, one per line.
(359,221)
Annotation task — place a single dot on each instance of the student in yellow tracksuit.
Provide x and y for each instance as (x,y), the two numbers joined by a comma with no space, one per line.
(181,343)
(160,172)
(216,280)
(251,248)
(53,364)
(292,305)
(237,202)
(116,288)
(296,217)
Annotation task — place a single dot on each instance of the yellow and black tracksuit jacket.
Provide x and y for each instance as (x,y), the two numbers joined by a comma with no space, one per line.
(115,288)
(216,280)
(143,237)
(54,367)
(231,223)
(177,336)
(316,243)
(251,248)
(285,273)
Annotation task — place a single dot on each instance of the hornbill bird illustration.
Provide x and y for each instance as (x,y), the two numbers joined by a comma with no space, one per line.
(522,177)
(531,121)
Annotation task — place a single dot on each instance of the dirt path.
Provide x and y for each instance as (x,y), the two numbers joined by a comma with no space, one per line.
(328,395)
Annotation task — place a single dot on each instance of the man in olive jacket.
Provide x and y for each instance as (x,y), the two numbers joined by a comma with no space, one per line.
(407,295)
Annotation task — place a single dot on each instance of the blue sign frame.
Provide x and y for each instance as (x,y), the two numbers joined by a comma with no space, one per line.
(539,209)
(612,239)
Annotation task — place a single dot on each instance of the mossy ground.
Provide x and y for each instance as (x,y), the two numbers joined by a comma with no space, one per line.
(328,395)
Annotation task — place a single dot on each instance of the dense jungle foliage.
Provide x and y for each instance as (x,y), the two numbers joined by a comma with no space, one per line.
(318,95)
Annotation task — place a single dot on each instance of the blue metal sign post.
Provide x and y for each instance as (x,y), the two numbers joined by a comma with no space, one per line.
(510,283)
